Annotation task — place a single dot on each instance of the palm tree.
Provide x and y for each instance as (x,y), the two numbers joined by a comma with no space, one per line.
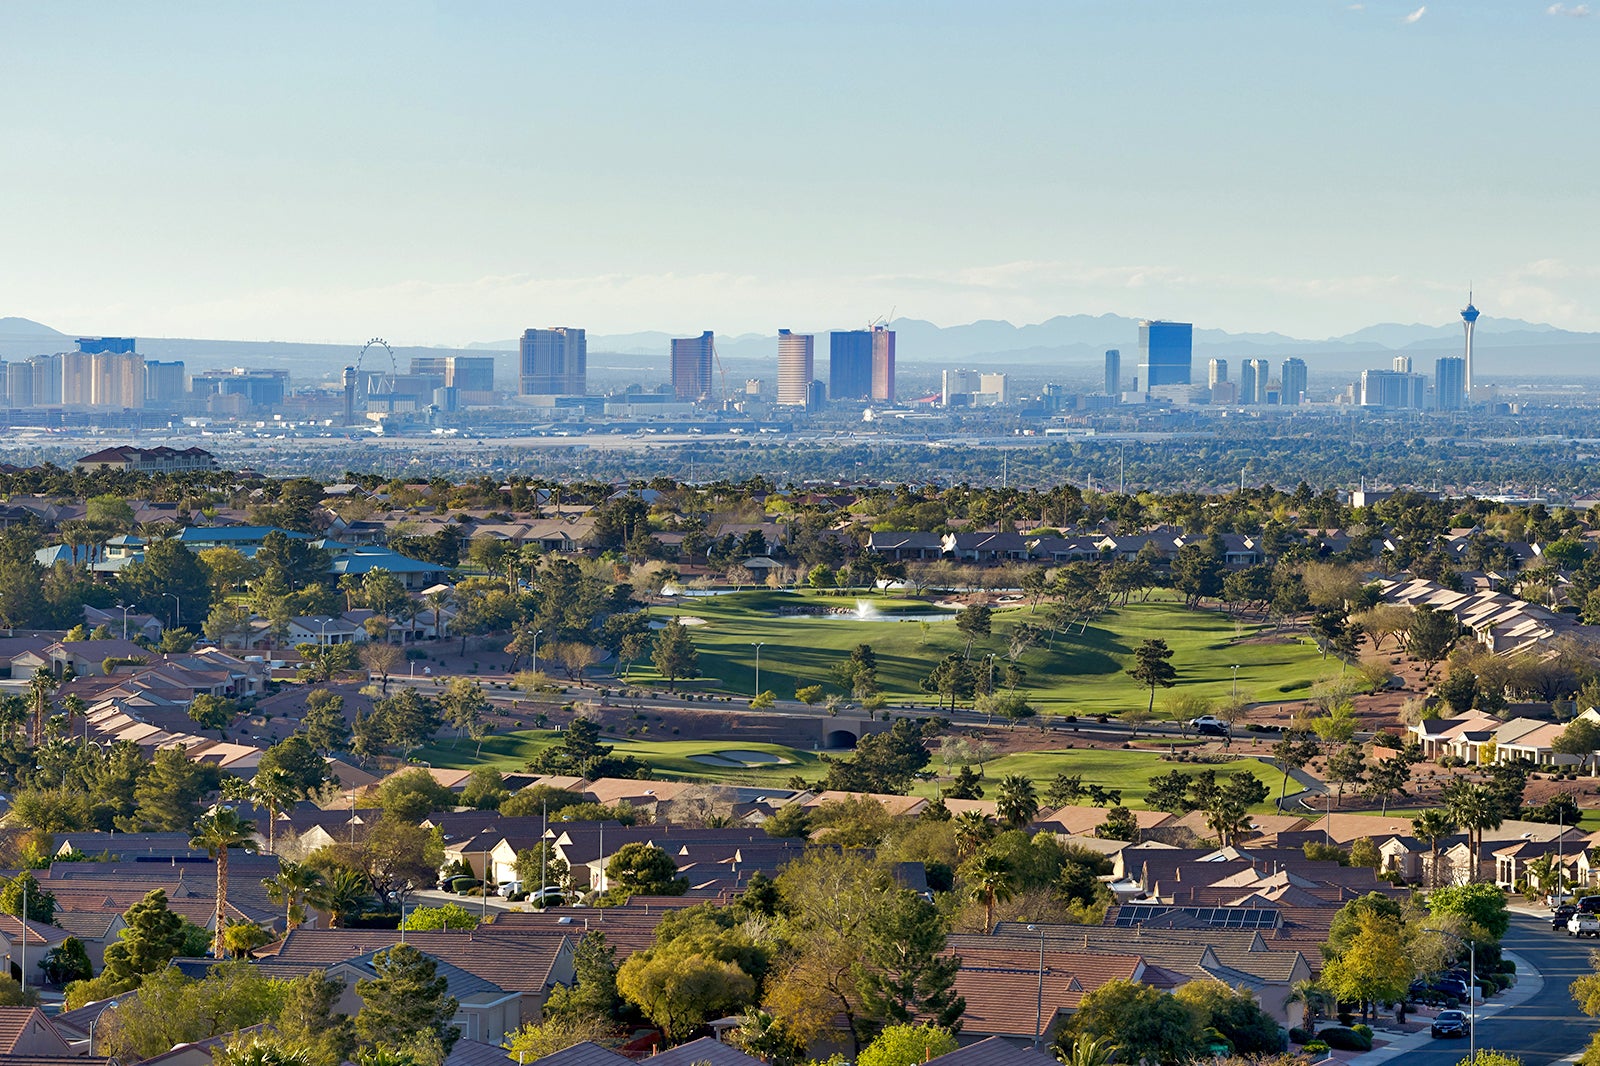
(295,881)
(40,686)
(1017,802)
(992,880)
(1475,809)
(1310,994)
(72,706)
(342,895)
(438,601)
(1088,1051)
(276,792)
(216,833)
(972,832)
(1432,827)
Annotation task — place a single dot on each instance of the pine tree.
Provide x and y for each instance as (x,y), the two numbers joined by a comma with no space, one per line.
(407,1000)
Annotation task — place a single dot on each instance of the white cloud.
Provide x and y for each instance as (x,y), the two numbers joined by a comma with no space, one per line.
(1576,11)
(1415,16)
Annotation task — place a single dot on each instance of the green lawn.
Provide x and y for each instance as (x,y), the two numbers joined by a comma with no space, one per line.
(1129,771)
(668,758)
(1080,674)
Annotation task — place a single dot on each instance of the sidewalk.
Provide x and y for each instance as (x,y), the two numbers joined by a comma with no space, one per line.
(1529,984)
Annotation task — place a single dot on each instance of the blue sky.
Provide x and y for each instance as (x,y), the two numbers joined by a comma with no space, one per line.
(451,172)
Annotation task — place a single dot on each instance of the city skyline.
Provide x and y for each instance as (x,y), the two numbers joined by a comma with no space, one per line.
(357,181)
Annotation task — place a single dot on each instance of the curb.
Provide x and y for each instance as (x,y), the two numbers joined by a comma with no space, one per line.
(1530,982)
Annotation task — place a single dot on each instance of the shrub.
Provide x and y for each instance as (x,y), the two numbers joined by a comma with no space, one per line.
(1341,1039)
(1316,1047)
(1298,1035)
(1363,1029)
(1507,966)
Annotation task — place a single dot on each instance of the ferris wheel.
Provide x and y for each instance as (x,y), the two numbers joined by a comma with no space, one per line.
(373,383)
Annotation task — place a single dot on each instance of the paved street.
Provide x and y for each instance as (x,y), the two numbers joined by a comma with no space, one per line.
(1545,1029)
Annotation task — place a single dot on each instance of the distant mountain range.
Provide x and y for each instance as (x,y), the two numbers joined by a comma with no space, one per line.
(1504,346)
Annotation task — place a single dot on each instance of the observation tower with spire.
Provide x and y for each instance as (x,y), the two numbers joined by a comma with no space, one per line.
(1469,317)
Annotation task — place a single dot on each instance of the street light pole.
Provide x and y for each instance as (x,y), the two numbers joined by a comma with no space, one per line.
(177,611)
(1236,683)
(1038,1008)
(124,619)
(757,646)
(1472,992)
(536,633)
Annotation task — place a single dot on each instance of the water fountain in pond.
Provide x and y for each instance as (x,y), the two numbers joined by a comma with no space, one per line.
(867,611)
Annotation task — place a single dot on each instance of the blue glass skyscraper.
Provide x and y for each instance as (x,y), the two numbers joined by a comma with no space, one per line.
(1166,350)
(850,364)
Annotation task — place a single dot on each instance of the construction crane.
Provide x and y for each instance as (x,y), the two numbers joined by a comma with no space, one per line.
(723,372)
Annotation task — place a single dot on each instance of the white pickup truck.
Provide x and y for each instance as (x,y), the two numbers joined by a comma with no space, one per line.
(1582,924)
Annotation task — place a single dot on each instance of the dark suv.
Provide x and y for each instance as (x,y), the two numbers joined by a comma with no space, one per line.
(1559,916)
(1589,905)
(1451,1023)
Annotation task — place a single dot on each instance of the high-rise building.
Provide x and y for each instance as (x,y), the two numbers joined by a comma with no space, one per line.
(47,370)
(116,380)
(1469,319)
(554,362)
(883,364)
(958,384)
(163,382)
(77,379)
(472,376)
(1389,388)
(1402,364)
(1113,386)
(691,366)
(1166,352)
(996,385)
(1217,370)
(849,364)
(1450,383)
(263,389)
(796,353)
(1253,377)
(1294,382)
(19,384)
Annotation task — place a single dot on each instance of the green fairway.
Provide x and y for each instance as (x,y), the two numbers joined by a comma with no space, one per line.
(669,759)
(1080,674)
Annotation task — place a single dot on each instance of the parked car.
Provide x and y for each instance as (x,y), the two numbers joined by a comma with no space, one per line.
(1207,720)
(1558,917)
(1583,924)
(509,888)
(1589,905)
(1451,986)
(1212,729)
(1451,1023)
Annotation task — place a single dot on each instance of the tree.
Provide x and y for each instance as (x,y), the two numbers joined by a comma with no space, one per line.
(883,762)
(323,724)
(906,975)
(1432,827)
(215,834)
(1389,777)
(1234,1013)
(445,916)
(953,678)
(1292,752)
(41,905)
(406,999)
(169,568)
(593,994)
(907,1045)
(993,882)
(975,621)
(1430,636)
(675,655)
(67,962)
(680,989)
(1140,1021)
(289,887)
(1150,667)
(381,659)
(1120,824)
(1017,803)
(212,712)
(167,795)
(465,707)
(639,869)
(343,894)
(1475,808)
(1347,766)
(172,1009)
(1580,738)
(1481,906)
(536,1040)
(1375,967)
(21,578)
(152,935)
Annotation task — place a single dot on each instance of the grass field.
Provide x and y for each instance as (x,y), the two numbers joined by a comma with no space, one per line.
(1129,771)
(1080,674)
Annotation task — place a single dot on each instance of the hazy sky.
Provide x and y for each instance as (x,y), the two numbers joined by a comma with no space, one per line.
(451,172)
